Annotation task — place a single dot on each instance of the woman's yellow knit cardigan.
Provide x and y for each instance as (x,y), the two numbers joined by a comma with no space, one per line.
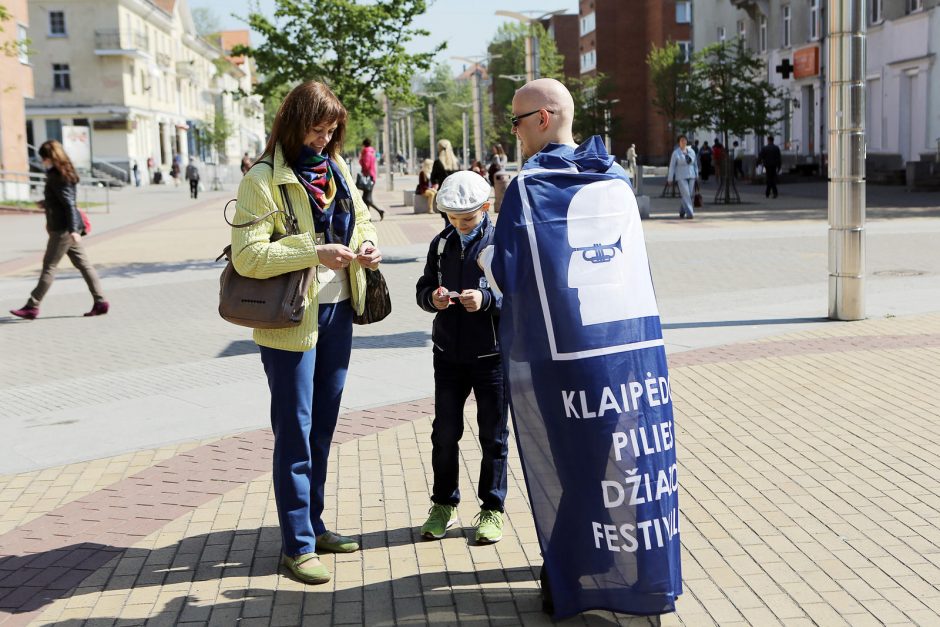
(255,256)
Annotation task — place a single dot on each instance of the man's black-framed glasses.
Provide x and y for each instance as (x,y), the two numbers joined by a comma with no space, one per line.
(517,118)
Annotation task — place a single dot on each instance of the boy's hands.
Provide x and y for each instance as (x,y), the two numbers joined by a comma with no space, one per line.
(472,300)
(440,298)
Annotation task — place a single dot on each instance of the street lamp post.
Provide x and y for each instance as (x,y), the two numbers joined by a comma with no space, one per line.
(432,130)
(466,134)
(846,159)
(607,104)
(477,88)
(387,141)
(516,78)
(532,69)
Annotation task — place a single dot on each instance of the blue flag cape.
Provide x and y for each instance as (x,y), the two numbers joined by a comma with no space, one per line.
(589,387)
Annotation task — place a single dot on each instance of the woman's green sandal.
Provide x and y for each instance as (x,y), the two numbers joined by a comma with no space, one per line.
(307,567)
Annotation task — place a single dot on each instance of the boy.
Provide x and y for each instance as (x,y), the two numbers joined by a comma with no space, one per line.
(466,357)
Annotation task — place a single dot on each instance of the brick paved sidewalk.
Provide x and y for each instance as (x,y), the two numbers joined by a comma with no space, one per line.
(810,467)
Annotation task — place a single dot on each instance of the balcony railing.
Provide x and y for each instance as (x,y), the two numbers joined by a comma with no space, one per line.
(114,39)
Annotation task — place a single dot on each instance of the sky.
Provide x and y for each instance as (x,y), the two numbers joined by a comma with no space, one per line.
(466,25)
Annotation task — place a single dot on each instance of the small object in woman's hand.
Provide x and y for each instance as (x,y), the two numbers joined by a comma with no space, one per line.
(454,294)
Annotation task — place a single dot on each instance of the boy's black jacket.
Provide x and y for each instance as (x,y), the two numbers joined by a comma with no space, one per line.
(460,335)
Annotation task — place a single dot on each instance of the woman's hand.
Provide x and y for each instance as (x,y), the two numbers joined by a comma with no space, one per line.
(335,256)
(369,256)
(472,300)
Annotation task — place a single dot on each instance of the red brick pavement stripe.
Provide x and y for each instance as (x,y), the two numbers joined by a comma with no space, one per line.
(43,559)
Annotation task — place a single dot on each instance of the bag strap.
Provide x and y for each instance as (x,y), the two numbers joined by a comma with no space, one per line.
(441,244)
(290,221)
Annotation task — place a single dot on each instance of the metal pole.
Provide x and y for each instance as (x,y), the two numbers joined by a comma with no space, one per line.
(536,60)
(477,115)
(846,159)
(466,141)
(387,141)
(529,58)
(411,142)
(432,140)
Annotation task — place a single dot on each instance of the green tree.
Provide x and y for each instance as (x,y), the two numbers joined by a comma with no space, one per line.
(357,49)
(447,113)
(216,133)
(206,21)
(670,76)
(507,58)
(734,99)
(590,95)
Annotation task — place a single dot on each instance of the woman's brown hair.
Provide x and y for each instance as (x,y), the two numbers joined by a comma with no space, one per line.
(306,106)
(54,152)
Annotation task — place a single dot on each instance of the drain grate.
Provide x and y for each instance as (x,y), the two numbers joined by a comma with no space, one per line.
(899,273)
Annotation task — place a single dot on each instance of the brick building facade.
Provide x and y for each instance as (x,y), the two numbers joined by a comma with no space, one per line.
(615,37)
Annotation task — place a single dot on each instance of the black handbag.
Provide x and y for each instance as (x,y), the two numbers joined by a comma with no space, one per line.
(378,299)
(364,183)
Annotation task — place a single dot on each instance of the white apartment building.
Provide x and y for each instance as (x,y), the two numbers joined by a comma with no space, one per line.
(903,78)
(139,77)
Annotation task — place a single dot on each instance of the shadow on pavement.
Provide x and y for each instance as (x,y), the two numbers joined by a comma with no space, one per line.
(408,339)
(42,578)
(136,269)
(741,323)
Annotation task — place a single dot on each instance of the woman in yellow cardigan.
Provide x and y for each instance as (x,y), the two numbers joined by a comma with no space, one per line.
(306,365)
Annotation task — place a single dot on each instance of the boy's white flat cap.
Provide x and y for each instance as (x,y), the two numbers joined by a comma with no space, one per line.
(463,192)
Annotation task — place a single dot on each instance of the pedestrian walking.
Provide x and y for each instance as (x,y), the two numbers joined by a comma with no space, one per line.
(718,158)
(466,358)
(301,168)
(771,160)
(65,226)
(367,162)
(246,164)
(175,172)
(445,165)
(192,175)
(150,169)
(136,172)
(631,164)
(579,329)
(705,160)
(683,171)
(737,154)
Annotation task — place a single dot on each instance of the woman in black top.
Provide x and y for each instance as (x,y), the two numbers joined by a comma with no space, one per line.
(65,226)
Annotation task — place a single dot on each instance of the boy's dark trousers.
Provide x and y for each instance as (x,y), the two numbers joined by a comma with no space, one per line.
(453,382)
(194,188)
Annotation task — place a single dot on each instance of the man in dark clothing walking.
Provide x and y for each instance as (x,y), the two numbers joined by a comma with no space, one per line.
(770,158)
(192,175)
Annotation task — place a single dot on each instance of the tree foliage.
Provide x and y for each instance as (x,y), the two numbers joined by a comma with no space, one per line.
(206,21)
(12,47)
(734,96)
(357,49)
(447,114)
(509,44)
(216,133)
(671,79)
(591,95)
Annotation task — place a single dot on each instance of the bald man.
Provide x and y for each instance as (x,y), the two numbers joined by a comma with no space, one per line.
(583,353)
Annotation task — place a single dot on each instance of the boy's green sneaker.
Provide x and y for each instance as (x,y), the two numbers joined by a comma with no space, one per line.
(489,524)
(440,519)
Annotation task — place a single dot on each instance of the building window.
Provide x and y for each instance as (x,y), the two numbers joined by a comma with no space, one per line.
(683,12)
(685,49)
(814,21)
(914,5)
(57,24)
(785,35)
(588,61)
(54,130)
(61,77)
(22,50)
(588,24)
(721,33)
(877,11)
(762,33)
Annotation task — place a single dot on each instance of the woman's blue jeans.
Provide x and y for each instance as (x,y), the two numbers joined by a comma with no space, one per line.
(306,389)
